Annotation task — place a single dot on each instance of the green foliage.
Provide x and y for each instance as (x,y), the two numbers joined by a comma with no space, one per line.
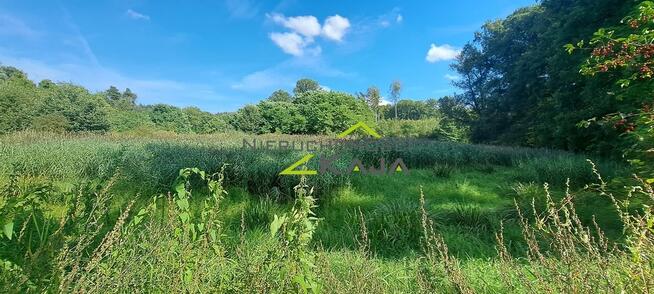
(202,122)
(81,240)
(395,90)
(123,101)
(206,226)
(332,112)
(295,232)
(526,90)
(426,128)
(55,123)
(393,226)
(10,73)
(249,119)
(85,112)
(413,110)
(304,86)
(280,96)
(128,120)
(17,101)
(373,98)
(170,118)
(283,117)
(627,52)
(61,107)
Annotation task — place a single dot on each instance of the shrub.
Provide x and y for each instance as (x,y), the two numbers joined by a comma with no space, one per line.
(55,123)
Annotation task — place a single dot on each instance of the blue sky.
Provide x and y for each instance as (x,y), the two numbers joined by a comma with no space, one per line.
(221,55)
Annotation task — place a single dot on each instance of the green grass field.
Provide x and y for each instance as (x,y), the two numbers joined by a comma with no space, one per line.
(85,211)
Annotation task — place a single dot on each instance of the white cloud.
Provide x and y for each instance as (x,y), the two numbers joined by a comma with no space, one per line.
(307,25)
(304,30)
(290,43)
(399,18)
(441,53)
(335,27)
(384,102)
(136,15)
(452,77)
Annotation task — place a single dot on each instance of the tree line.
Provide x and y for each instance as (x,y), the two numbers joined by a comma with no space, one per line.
(64,107)
(520,79)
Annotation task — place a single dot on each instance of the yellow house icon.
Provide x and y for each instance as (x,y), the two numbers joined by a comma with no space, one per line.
(291,170)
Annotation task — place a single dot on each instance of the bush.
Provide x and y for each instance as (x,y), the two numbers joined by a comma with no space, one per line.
(55,123)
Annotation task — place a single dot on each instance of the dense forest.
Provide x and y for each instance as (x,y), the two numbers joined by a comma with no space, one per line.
(526,90)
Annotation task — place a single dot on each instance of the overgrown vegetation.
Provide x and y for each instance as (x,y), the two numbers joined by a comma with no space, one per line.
(98,193)
(204,234)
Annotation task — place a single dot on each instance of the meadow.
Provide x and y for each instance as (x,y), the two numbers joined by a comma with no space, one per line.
(200,213)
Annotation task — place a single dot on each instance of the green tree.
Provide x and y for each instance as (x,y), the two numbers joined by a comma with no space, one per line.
(283,117)
(525,90)
(304,86)
(10,72)
(84,111)
(113,94)
(413,110)
(373,98)
(280,96)
(332,112)
(395,92)
(129,120)
(627,52)
(18,99)
(55,123)
(46,84)
(129,96)
(170,118)
(250,120)
(124,101)
(203,122)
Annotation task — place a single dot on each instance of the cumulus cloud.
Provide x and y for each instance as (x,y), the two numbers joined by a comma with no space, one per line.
(441,53)
(335,27)
(307,25)
(290,43)
(136,15)
(304,30)
(399,18)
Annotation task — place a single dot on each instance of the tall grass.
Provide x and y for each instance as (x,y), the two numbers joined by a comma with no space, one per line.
(177,242)
(79,224)
(151,163)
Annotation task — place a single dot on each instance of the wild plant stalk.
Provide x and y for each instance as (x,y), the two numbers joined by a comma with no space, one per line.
(438,270)
(296,231)
(565,255)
